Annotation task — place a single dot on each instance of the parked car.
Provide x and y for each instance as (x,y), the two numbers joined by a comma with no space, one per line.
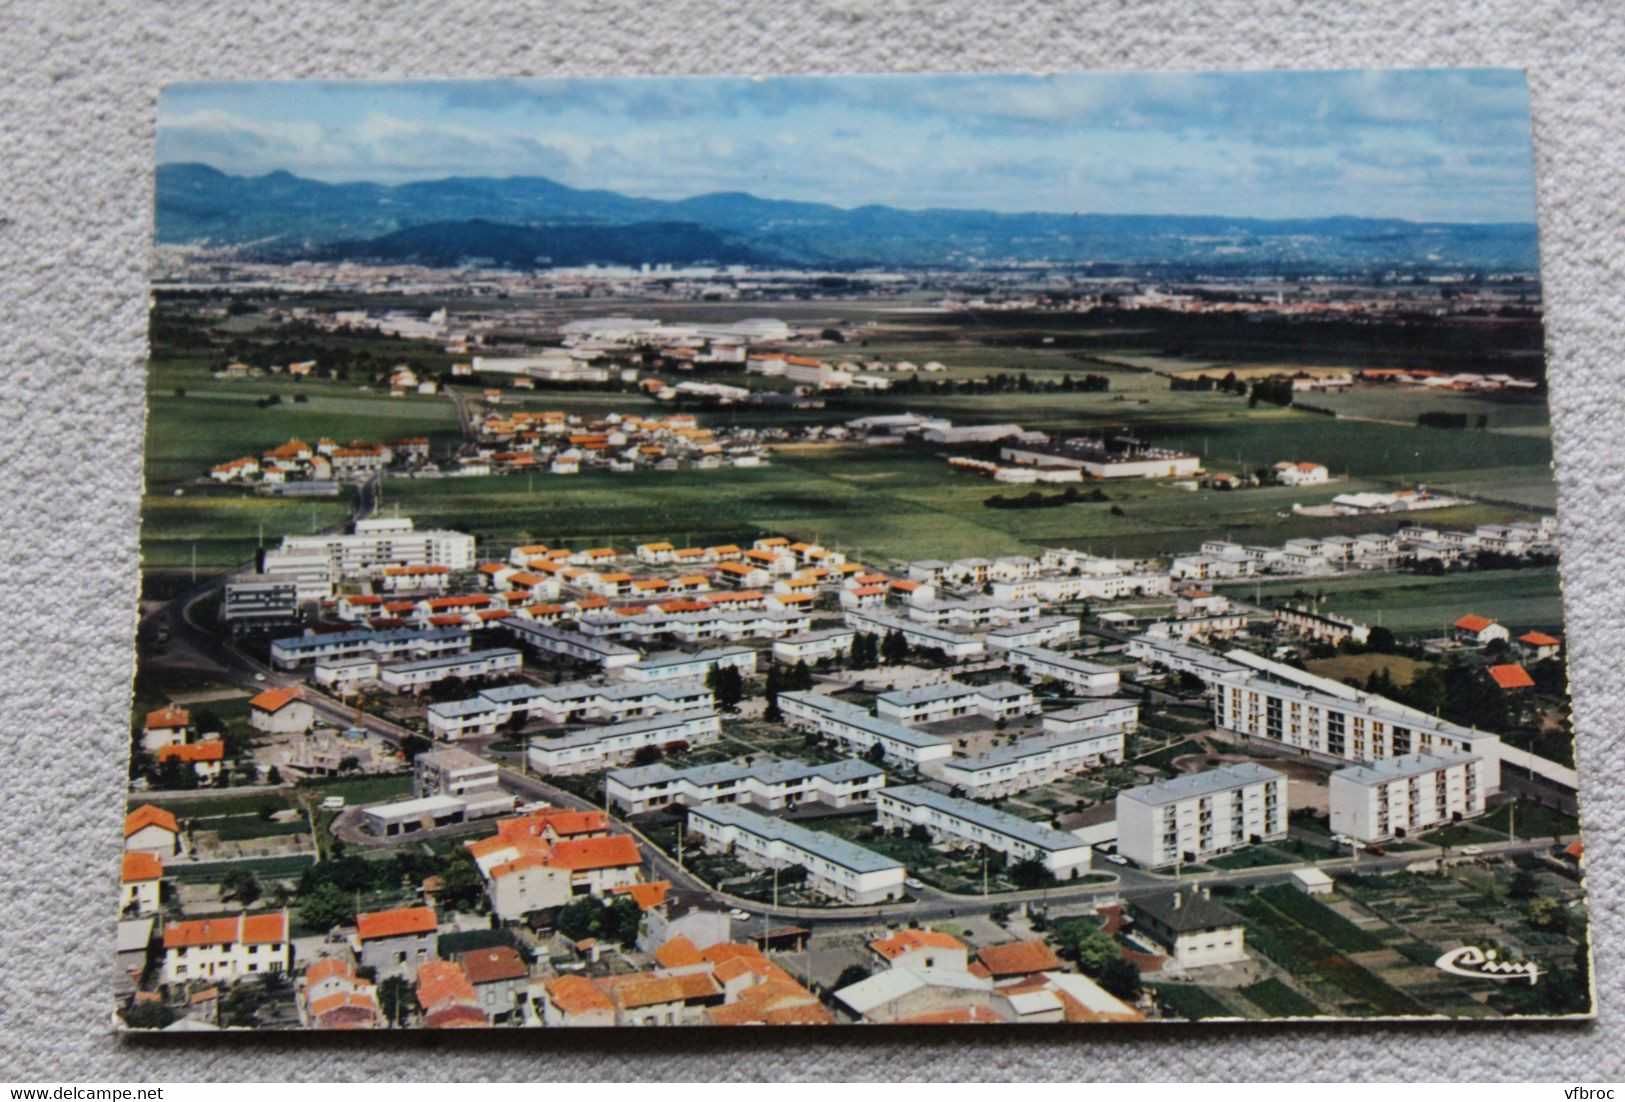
(1471,851)
(912,884)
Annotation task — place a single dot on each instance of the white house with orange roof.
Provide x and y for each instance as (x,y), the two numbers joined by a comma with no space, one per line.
(164,727)
(226,949)
(140,883)
(280,711)
(151,829)
(1478,631)
(1301,474)
(332,996)
(529,869)
(206,758)
(1537,646)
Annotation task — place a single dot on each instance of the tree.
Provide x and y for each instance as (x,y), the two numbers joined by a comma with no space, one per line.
(579,919)
(326,907)
(1523,885)
(1382,641)
(273,775)
(462,886)
(1030,873)
(148,1016)
(1098,957)
(894,650)
(241,885)
(1548,915)
(919,832)
(726,686)
(646,755)
(413,745)
(395,999)
(1000,913)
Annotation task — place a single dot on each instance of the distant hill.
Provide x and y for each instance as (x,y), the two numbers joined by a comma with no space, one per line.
(533,221)
(477,242)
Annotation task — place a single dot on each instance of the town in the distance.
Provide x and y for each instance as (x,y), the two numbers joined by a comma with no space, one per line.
(709,646)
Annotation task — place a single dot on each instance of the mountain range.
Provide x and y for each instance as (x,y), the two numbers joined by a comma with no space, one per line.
(533,222)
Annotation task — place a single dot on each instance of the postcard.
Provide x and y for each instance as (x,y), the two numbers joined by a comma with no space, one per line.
(849,550)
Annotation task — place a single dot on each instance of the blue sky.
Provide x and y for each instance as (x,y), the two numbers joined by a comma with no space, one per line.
(1445,145)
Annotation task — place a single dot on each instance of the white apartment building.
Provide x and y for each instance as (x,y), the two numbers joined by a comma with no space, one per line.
(1041,632)
(1327,717)
(773,785)
(1322,627)
(814,646)
(953,699)
(570,702)
(1102,587)
(452,772)
(1405,795)
(1201,814)
(570,644)
(1094,717)
(593,748)
(1028,762)
(954,823)
(835,867)
(858,731)
(1178,657)
(344,673)
(1079,675)
(226,949)
(957,646)
(288,653)
(404,677)
(678,666)
(380,543)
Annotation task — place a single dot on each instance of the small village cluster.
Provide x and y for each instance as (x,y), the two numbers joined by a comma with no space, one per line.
(326,462)
(559,443)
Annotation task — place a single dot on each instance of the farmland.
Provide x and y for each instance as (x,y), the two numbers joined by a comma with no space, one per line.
(1410,605)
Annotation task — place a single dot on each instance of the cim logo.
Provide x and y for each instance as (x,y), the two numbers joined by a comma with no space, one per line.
(1485,964)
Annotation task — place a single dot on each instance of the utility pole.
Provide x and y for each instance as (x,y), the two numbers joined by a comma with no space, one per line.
(194,562)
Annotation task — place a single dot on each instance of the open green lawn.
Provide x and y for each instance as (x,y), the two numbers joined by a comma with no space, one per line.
(218,419)
(266,868)
(873,503)
(364,790)
(1415,605)
(225,526)
(1531,821)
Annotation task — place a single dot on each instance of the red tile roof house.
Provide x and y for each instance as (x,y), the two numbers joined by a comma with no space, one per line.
(397,942)
(1510,677)
(164,727)
(447,998)
(226,949)
(576,1001)
(500,977)
(1537,646)
(141,880)
(1478,631)
(150,829)
(332,996)
(280,711)
(205,758)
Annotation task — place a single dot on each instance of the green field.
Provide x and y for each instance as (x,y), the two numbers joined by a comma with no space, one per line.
(1412,605)
(224,527)
(873,503)
(218,420)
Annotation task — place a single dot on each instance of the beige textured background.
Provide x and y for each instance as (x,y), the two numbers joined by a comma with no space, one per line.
(77,109)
